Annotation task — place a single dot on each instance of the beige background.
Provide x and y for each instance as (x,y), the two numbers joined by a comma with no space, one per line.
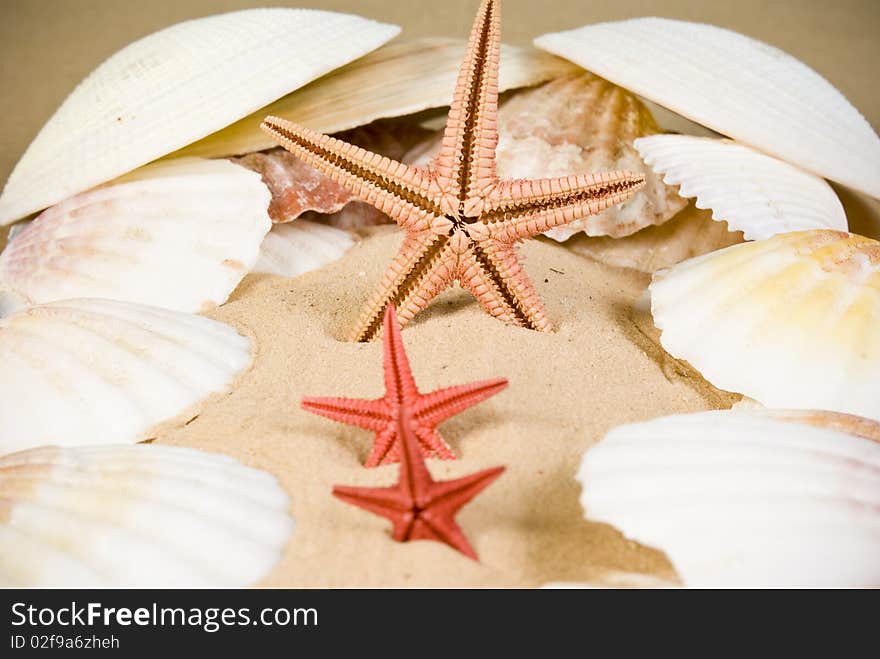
(47,46)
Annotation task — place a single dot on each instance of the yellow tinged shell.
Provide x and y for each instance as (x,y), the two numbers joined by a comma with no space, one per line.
(792,321)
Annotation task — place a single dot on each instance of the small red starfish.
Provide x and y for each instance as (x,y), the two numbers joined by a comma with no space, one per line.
(420,507)
(426,411)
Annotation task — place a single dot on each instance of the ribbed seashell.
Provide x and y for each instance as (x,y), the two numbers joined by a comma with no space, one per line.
(736,498)
(690,233)
(148,516)
(178,234)
(754,193)
(292,249)
(298,188)
(295,186)
(398,79)
(735,85)
(176,86)
(791,321)
(582,124)
(578,124)
(85,371)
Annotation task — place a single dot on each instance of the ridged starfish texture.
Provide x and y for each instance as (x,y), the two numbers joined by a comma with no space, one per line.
(462,223)
(419,507)
(424,411)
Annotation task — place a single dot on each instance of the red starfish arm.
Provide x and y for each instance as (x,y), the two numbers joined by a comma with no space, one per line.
(416,275)
(390,502)
(434,408)
(401,191)
(448,497)
(384,447)
(502,287)
(368,414)
(465,166)
(447,531)
(523,208)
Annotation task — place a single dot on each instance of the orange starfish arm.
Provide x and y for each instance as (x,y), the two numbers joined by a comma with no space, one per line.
(417,274)
(400,191)
(465,166)
(496,278)
(521,208)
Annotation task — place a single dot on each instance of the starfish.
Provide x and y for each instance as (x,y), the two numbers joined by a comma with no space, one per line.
(462,222)
(425,411)
(419,507)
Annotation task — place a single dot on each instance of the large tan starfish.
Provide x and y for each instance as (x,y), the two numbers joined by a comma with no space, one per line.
(462,222)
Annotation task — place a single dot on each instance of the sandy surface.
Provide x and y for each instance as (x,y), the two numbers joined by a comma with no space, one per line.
(566,389)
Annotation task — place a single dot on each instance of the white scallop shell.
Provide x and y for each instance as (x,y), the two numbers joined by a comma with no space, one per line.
(792,321)
(292,249)
(178,234)
(754,193)
(176,86)
(735,85)
(148,516)
(84,371)
(741,499)
(401,78)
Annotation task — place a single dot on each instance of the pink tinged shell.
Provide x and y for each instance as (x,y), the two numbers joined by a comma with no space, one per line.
(178,234)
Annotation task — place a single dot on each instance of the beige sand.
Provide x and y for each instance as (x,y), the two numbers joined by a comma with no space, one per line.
(566,390)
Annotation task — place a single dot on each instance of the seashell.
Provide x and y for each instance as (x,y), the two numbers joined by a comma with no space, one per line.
(756,194)
(295,186)
(400,78)
(81,371)
(690,233)
(742,499)
(178,234)
(582,124)
(176,86)
(298,188)
(572,125)
(735,85)
(290,250)
(146,516)
(790,321)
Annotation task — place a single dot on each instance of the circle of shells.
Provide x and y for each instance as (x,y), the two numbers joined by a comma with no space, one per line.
(98,293)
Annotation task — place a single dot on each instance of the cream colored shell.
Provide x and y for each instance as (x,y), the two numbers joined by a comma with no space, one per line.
(792,321)
(400,78)
(178,234)
(176,86)
(148,516)
(292,249)
(754,193)
(84,371)
(737,498)
(736,85)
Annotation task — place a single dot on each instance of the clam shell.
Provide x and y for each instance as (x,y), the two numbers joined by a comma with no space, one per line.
(791,321)
(742,499)
(398,79)
(85,371)
(292,249)
(148,516)
(178,234)
(735,85)
(690,233)
(176,86)
(581,124)
(754,193)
